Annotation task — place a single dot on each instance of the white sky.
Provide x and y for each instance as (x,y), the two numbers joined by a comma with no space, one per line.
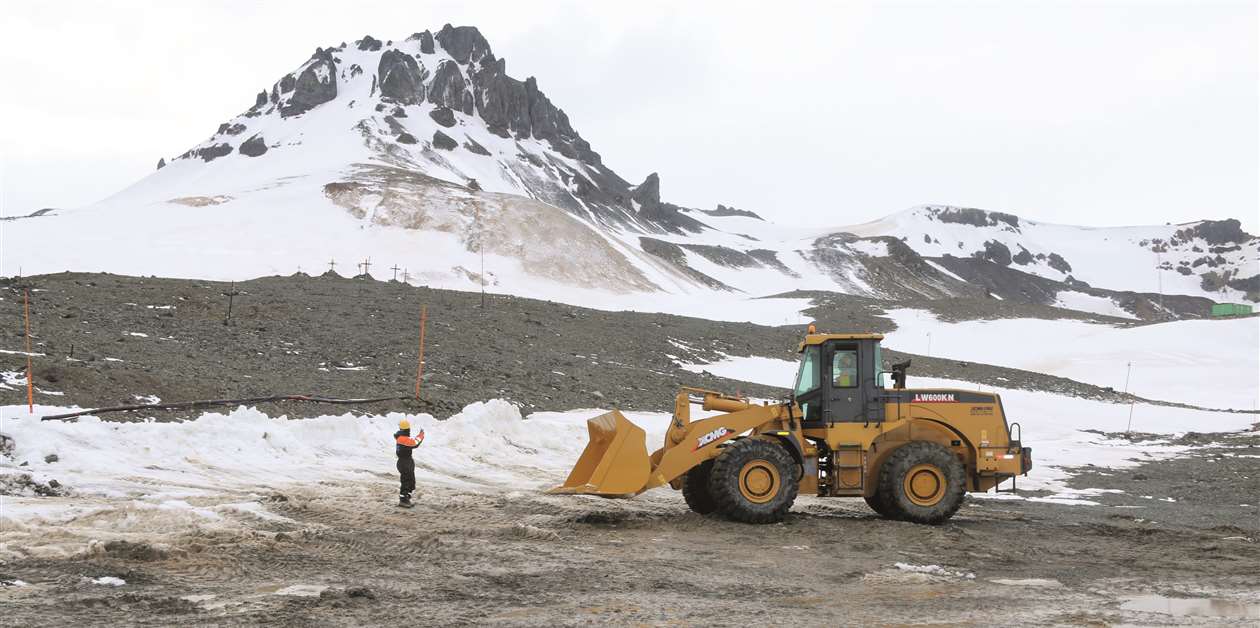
(824,114)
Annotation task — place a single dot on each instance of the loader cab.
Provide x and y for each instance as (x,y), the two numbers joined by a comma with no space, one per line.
(839,379)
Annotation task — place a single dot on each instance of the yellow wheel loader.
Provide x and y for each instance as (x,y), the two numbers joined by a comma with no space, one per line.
(911,453)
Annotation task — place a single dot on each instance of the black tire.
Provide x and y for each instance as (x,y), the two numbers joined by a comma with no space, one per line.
(754,480)
(876,502)
(939,469)
(695,488)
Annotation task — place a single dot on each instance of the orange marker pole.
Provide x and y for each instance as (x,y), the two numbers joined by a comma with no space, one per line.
(424,312)
(30,378)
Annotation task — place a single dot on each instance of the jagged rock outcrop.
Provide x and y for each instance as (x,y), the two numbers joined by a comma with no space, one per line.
(995,252)
(210,153)
(426,41)
(502,101)
(1057,262)
(648,192)
(449,89)
(368,44)
(551,124)
(474,147)
(254,146)
(401,78)
(316,85)
(443,141)
(443,116)
(1215,232)
(723,210)
(406,138)
(650,208)
(161,163)
(974,217)
(463,43)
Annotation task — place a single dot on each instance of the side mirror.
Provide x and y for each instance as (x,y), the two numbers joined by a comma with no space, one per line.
(899,374)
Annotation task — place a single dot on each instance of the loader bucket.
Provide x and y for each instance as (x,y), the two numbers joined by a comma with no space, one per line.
(615,461)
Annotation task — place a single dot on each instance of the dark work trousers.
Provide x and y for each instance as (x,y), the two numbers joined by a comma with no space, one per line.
(406,477)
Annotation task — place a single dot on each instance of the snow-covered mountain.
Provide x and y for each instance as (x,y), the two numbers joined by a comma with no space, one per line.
(1211,258)
(426,159)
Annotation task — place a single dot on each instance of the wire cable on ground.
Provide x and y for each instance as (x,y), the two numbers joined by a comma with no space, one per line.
(192,405)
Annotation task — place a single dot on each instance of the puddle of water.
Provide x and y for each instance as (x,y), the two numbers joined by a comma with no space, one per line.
(1192,607)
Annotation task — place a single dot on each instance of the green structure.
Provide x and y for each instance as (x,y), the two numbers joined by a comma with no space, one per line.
(1230,309)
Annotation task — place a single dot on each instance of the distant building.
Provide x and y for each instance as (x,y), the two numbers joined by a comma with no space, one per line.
(1230,309)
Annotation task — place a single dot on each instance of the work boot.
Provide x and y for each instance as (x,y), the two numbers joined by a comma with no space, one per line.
(404,501)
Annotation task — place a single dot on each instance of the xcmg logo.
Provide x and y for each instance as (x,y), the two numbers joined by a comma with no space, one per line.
(711,436)
(933,398)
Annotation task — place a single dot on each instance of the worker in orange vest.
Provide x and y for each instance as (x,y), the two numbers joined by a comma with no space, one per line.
(403,445)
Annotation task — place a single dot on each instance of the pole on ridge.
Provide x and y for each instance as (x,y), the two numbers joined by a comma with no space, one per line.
(424,312)
(30,375)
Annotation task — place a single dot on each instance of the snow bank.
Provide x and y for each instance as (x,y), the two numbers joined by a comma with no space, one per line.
(488,445)
(1210,363)
(150,478)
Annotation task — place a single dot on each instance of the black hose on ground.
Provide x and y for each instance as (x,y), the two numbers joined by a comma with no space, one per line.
(192,405)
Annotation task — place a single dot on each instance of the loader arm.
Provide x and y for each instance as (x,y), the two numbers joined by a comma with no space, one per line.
(615,462)
(701,440)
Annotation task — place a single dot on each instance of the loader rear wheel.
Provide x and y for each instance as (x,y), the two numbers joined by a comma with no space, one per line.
(754,480)
(922,482)
(695,488)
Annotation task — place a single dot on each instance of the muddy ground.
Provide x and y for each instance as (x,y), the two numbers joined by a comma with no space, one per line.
(341,554)
(345,557)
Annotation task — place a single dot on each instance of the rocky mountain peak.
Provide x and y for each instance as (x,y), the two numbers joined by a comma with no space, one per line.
(439,103)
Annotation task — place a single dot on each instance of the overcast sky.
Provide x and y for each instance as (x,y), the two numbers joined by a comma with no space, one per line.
(819,113)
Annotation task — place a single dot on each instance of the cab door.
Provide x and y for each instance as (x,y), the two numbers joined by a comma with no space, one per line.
(809,389)
(843,374)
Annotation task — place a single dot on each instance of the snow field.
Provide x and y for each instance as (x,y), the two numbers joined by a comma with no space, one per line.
(1209,363)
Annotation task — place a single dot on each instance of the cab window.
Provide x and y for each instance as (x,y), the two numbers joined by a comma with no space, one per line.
(879,367)
(807,376)
(844,372)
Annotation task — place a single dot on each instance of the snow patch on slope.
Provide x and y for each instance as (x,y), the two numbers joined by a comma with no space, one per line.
(1081,302)
(1210,363)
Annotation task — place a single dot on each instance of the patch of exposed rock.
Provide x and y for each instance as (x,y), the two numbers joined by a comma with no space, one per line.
(315,85)
(253,147)
(444,141)
(401,77)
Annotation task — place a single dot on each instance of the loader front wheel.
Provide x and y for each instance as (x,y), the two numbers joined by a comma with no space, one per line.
(695,488)
(922,482)
(880,506)
(754,480)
